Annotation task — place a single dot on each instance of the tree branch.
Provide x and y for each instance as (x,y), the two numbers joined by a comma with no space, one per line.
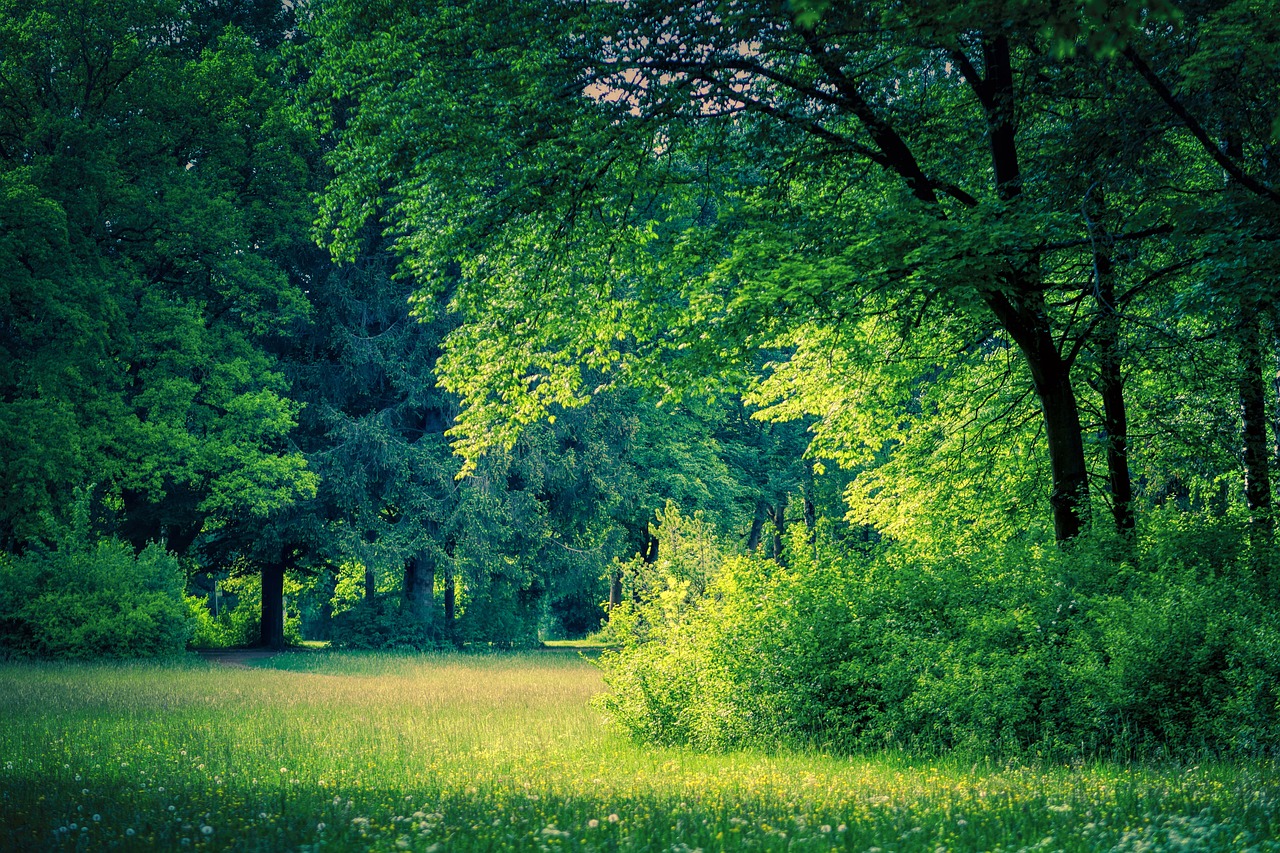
(1197,130)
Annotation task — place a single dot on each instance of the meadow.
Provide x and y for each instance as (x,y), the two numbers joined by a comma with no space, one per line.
(326,751)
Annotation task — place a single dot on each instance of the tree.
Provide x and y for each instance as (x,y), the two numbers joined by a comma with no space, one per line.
(156,184)
(644,158)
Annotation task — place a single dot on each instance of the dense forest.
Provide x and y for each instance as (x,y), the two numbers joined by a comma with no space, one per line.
(865,374)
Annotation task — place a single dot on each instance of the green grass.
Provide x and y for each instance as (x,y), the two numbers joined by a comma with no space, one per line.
(384,752)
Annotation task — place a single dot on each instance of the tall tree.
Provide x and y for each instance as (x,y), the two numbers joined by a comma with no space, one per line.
(638,163)
(155,180)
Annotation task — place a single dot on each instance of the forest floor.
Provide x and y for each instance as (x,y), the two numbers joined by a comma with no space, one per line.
(330,751)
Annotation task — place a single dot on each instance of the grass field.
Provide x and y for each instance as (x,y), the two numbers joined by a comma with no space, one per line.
(327,751)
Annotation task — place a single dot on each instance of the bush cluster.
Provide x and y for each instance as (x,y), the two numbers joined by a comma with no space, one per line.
(98,599)
(1158,646)
(379,624)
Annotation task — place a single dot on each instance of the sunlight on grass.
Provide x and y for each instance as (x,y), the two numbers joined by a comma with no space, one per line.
(460,752)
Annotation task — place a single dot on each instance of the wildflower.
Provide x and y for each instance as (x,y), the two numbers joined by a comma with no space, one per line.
(97,818)
(73,827)
(173,808)
(85,791)
(206,830)
(129,832)
(825,828)
(593,823)
(320,826)
(841,828)
(613,818)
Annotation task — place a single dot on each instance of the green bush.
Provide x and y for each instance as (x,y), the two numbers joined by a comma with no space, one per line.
(1104,648)
(93,600)
(379,624)
(209,631)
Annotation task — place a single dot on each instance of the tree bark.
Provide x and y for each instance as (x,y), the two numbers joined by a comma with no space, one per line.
(272,632)
(370,585)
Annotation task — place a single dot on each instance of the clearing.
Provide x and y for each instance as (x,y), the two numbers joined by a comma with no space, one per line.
(504,752)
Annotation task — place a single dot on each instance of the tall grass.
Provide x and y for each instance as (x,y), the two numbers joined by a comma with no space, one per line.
(449,752)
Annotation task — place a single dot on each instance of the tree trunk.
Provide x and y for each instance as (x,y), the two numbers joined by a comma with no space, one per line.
(757,526)
(1111,384)
(1027,321)
(1019,304)
(1018,300)
(272,633)
(450,601)
(778,514)
(420,589)
(1253,409)
(615,588)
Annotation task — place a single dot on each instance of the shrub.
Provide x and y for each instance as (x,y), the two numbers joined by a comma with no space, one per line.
(1105,648)
(93,600)
(379,624)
